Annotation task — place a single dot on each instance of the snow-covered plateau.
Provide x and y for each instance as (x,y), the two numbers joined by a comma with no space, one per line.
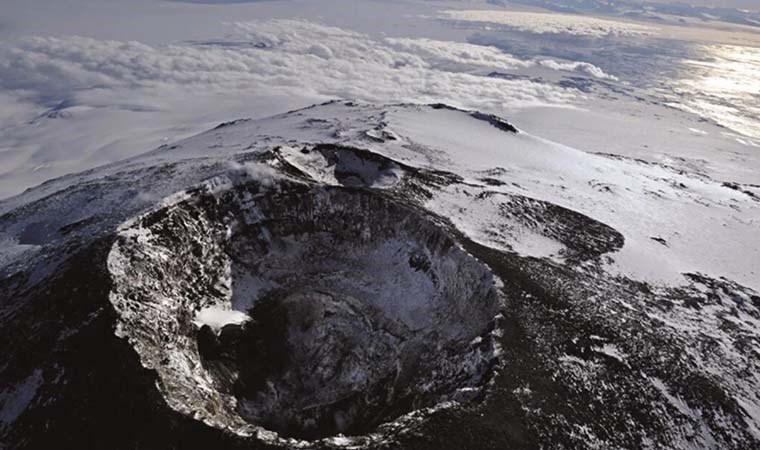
(352,275)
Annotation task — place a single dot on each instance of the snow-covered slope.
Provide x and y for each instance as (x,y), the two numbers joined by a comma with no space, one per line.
(571,300)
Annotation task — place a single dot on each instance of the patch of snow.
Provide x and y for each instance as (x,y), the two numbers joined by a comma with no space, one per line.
(639,200)
(613,351)
(217,317)
(675,401)
(752,408)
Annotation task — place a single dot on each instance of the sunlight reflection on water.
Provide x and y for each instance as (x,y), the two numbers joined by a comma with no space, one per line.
(724,86)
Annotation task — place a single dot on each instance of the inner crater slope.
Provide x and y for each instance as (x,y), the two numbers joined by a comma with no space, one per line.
(304,312)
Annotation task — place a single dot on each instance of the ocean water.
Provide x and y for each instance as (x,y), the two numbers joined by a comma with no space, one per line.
(722,83)
(718,82)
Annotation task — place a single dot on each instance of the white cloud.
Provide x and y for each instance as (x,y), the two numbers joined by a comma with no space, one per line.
(458,57)
(129,94)
(342,64)
(264,174)
(576,66)
(552,23)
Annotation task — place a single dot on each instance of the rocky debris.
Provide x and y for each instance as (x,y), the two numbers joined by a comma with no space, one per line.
(583,237)
(496,121)
(746,189)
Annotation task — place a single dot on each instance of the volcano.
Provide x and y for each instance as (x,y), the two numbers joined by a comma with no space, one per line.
(380,276)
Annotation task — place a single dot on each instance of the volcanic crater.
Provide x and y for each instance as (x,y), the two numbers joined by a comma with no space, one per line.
(306,311)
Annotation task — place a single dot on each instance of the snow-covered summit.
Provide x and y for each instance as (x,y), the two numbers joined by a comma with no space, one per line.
(629,309)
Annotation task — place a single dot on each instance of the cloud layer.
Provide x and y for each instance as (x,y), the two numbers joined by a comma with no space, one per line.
(111,97)
(276,55)
(551,23)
